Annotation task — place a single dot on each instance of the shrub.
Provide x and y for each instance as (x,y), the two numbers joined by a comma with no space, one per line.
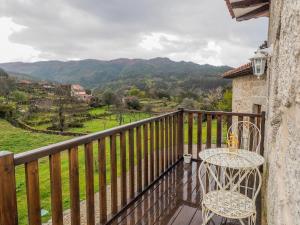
(133,102)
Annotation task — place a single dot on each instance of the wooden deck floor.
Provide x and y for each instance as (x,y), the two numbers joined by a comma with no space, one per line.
(175,199)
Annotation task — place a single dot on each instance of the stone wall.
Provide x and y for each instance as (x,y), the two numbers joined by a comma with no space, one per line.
(282,171)
(248,90)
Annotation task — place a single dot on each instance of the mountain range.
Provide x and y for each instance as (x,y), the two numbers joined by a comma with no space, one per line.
(93,73)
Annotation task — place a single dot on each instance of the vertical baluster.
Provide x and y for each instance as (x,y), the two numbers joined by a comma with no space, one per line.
(146,170)
(131,164)
(74,186)
(208,133)
(199,134)
(175,141)
(113,175)
(123,168)
(162,145)
(33,192)
(252,141)
(240,130)
(219,130)
(139,158)
(229,121)
(8,203)
(190,133)
(102,180)
(89,183)
(166,142)
(56,192)
(157,148)
(151,151)
(180,134)
(262,131)
(171,141)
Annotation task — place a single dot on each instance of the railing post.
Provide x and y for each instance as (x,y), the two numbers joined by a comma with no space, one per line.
(8,199)
(180,133)
(262,130)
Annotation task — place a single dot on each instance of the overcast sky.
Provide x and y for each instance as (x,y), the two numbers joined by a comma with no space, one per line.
(201,31)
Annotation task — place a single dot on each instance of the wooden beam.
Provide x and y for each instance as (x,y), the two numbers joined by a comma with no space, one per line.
(254,13)
(247,3)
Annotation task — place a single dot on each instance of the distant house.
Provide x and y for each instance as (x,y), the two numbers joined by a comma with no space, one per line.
(249,94)
(79,92)
(24,82)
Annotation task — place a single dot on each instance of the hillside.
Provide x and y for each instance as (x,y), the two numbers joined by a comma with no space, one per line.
(94,73)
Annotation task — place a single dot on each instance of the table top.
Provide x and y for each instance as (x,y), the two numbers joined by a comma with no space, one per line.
(236,160)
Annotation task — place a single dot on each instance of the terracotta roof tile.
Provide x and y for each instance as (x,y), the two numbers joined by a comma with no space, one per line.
(243,70)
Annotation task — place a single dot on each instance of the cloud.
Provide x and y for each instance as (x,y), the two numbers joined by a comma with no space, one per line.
(200,31)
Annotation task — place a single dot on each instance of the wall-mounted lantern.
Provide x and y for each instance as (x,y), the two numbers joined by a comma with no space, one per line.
(259,61)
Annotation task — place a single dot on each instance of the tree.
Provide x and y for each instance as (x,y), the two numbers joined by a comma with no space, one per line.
(66,110)
(7,84)
(134,91)
(188,103)
(19,96)
(110,98)
(225,104)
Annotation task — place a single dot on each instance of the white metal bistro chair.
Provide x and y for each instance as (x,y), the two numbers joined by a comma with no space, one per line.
(230,187)
(248,135)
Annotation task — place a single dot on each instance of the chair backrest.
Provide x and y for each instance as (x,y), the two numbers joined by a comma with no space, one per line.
(248,134)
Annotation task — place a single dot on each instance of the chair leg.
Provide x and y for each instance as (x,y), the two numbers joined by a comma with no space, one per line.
(206,215)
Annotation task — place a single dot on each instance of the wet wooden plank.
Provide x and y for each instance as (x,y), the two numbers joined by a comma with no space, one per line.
(185,216)
(197,218)
(153,196)
(173,192)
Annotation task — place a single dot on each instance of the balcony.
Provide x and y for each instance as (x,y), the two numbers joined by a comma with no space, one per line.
(133,174)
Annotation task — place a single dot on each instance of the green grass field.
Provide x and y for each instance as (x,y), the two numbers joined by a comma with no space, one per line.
(18,140)
(109,122)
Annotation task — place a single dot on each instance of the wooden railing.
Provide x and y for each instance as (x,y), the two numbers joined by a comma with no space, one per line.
(147,150)
(222,121)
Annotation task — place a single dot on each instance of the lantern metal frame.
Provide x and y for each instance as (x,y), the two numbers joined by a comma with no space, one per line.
(259,61)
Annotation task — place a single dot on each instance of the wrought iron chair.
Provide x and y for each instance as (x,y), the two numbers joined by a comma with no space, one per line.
(248,134)
(229,192)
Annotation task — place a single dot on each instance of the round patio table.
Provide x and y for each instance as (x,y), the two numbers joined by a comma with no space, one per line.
(230,183)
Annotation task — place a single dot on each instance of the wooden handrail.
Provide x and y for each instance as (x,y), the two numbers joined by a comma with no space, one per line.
(222,113)
(38,153)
